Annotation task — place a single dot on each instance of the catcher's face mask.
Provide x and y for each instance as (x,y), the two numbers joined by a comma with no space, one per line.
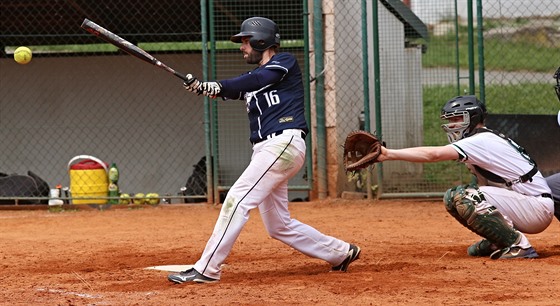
(457,125)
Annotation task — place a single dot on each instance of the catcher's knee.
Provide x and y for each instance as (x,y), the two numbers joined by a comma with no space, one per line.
(468,205)
(449,196)
(461,204)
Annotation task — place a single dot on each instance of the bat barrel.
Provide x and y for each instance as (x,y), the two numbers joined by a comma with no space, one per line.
(127,46)
(88,24)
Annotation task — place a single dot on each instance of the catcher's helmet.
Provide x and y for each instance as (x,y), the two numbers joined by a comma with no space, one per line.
(263,33)
(470,108)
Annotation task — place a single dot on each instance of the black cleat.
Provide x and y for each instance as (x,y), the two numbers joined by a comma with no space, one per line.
(190,275)
(514,252)
(353,254)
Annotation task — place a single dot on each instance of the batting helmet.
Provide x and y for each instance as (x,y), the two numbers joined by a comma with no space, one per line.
(263,33)
(470,108)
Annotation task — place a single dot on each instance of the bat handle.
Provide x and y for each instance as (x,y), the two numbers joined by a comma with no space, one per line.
(188,81)
(183,77)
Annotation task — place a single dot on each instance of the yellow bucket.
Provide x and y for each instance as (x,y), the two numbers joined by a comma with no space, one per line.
(88,180)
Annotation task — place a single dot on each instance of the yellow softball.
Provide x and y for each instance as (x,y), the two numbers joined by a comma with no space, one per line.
(22,55)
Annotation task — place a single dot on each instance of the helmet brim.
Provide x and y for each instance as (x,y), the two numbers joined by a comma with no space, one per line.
(239,36)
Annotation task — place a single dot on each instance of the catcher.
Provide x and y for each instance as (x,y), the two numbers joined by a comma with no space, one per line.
(513,197)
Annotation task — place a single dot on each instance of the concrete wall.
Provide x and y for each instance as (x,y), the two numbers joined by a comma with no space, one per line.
(401,95)
(115,108)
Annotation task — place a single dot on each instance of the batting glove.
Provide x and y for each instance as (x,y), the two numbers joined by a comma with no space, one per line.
(192,84)
(210,89)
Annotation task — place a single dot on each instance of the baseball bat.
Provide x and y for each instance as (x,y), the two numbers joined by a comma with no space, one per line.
(129,48)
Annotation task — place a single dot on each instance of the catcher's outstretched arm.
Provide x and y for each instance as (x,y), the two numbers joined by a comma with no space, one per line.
(420,154)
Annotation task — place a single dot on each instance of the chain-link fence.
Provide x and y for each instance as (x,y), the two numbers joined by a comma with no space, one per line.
(508,62)
(505,52)
(81,97)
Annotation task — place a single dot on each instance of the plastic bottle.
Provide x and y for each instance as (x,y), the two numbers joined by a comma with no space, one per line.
(113,194)
(55,197)
(113,187)
(113,173)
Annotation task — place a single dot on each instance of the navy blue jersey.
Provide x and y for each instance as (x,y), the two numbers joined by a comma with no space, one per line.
(276,106)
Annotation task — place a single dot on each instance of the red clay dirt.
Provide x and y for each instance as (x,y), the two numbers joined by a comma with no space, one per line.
(413,253)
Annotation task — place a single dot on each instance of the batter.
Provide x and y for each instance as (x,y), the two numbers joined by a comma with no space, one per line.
(274,97)
(510,198)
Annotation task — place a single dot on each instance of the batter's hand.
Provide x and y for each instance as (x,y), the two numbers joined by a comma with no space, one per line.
(192,84)
(210,89)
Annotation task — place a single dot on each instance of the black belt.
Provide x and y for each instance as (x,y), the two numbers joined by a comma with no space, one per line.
(271,135)
(546,195)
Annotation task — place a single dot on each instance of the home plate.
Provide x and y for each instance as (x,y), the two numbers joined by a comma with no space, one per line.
(170,268)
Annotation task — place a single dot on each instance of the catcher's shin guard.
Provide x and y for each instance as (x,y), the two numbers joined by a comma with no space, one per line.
(467,205)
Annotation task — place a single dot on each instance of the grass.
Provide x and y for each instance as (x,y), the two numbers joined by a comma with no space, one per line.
(499,54)
(528,98)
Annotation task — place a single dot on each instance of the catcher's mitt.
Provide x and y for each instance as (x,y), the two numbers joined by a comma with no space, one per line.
(361,149)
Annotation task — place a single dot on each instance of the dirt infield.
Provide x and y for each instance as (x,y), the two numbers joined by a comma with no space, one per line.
(413,253)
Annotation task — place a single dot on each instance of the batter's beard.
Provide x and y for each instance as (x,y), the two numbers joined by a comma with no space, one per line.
(255,57)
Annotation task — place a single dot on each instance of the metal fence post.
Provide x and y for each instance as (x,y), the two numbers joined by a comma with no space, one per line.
(320,99)
(377,78)
(480,31)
